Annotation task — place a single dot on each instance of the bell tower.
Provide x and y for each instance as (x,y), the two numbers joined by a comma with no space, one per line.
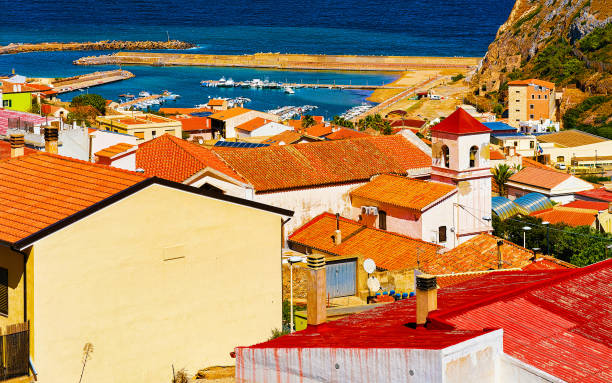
(460,156)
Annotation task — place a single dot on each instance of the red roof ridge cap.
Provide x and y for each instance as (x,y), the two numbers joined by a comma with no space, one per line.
(325,214)
(102,166)
(439,315)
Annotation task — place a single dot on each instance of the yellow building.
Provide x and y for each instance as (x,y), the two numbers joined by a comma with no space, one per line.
(151,273)
(144,126)
(531,100)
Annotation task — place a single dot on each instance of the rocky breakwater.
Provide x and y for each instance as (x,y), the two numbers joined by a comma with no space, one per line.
(95,46)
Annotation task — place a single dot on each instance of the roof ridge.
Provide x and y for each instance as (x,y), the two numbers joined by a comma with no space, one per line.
(562,275)
(318,218)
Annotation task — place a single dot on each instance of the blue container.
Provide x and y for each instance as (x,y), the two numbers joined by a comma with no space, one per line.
(412,293)
(404,295)
(377,294)
(385,293)
(392,292)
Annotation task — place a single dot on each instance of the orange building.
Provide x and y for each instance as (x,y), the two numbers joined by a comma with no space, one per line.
(531,99)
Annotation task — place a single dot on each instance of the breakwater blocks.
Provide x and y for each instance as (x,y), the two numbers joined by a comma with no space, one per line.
(95,46)
(283,61)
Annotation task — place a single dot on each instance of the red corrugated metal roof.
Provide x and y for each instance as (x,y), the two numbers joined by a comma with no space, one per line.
(460,122)
(556,320)
(600,194)
(593,205)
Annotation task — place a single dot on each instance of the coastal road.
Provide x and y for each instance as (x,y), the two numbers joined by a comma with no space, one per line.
(393,100)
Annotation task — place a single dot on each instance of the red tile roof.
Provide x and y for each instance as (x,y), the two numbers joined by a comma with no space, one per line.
(389,250)
(403,192)
(593,205)
(546,262)
(568,216)
(599,194)
(5,150)
(216,102)
(113,150)
(320,130)
(539,177)
(407,123)
(286,137)
(344,133)
(478,254)
(323,163)
(496,155)
(41,189)
(183,110)
(253,124)
(555,320)
(535,81)
(526,161)
(176,160)
(229,113)
(460,122)
(191,124)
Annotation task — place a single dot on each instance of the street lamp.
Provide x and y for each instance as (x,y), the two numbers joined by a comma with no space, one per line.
(292,260)
(525,230)
(547,236)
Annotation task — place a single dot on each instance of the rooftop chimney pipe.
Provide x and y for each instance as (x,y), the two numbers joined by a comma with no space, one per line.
(51,134)
(426,297)
(316,312)
(337,233)
(500,260)
(17,143)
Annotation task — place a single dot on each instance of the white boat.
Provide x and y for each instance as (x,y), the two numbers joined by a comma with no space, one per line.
(288,90)
(229,83)
(144,94)
(221,82)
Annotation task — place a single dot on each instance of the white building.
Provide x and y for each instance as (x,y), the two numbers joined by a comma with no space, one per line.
(556,185)
(260,127)
(576,146)
(460,146)
(538,126)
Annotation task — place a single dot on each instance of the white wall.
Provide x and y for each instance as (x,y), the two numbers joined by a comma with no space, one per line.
(102,139)
(603,149)
(269,129)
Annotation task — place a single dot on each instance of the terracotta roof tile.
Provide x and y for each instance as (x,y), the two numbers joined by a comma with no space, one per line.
(496,155)
(323,163)
(390,251)
(320,130)
(176,160)
(478,254)
(535,81)
(568,216)
(5,150)
(216,102)
(287,137)
(403,192)
(191,124)
(571,138)
(40,189)
(546,262)
(229,113)
(526,161)
(344,133)
(593,205)
(539,177)
(113,150)
(460,122)
(253,124)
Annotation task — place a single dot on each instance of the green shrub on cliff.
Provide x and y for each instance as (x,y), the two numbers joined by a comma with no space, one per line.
(574,117)
(597,45)
(558,64)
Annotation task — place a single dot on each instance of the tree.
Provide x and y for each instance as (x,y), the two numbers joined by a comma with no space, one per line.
(375,122)
(308,121)
(341,121)
(94,100)
(501,175)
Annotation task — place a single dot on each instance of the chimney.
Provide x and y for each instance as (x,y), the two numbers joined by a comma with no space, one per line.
(17,143)
(51,133)
(426,297)
(337,233)
(316,312)
(500,260)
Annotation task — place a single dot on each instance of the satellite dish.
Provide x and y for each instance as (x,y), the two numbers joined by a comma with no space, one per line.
(373,284)
(369,266)
(200,141)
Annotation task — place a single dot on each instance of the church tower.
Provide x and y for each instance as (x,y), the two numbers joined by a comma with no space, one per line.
(460,156)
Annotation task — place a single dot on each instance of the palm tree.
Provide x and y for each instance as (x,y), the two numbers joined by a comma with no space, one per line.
(501,175)
(308,121)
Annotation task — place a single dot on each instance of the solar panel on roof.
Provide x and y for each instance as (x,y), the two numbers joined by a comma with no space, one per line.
(231,144)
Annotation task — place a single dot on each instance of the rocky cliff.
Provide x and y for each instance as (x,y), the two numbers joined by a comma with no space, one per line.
(542,38)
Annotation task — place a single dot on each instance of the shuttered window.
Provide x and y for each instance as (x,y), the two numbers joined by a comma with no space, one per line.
(139,135)
(3,291)
(382,220)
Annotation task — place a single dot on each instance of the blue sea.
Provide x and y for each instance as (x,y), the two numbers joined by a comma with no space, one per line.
(374,27)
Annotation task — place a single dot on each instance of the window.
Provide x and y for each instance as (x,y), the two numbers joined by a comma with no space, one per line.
(530,106)
(533,96)
(560,159)
(473,156)
(546,97)
(382,220)
(7,103)
(518,100)
(539,96)
(446,156)
(442,234)
(3,291)
(517,92)
(170,131)
(531,144)
(515,143)
(531,116)
(153,133)
(139,135)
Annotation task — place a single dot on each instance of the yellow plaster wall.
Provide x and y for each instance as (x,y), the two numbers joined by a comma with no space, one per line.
(161,278)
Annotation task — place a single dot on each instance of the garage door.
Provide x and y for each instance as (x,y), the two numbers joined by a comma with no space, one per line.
(341,278)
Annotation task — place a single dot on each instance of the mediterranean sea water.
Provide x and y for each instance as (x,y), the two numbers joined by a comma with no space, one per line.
(373,27)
